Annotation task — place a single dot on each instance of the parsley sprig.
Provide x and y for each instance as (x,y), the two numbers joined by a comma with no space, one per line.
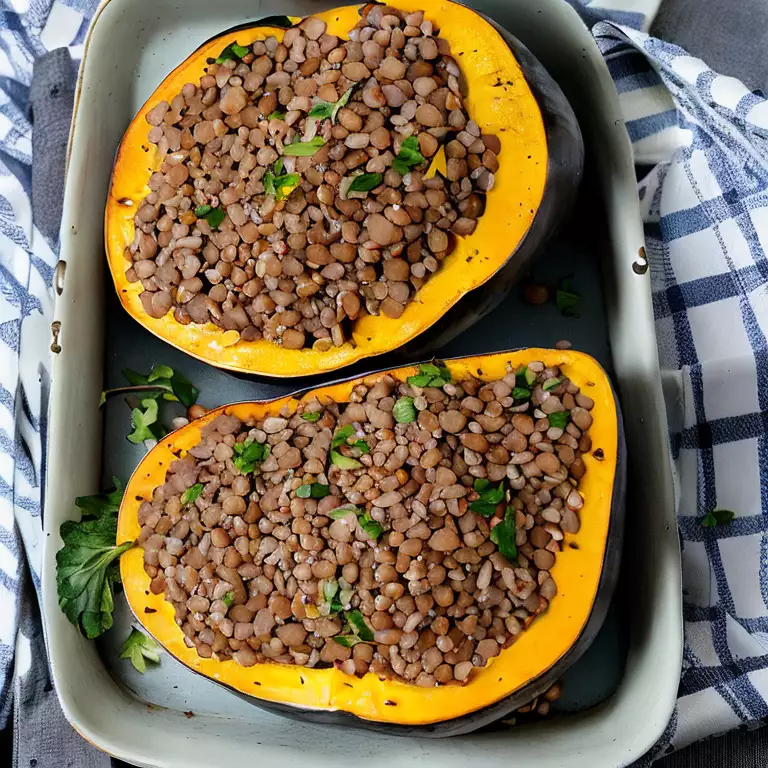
(86,566)
(146,392)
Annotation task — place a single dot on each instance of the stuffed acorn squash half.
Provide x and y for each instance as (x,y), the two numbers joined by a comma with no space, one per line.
(301,194)
(422,549)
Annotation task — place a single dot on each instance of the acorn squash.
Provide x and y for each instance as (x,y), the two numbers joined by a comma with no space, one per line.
(585,570)
(506,92)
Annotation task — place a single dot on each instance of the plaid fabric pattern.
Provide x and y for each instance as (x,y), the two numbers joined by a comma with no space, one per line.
(705,210)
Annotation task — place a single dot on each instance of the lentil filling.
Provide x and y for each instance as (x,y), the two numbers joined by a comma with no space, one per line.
(310,181)
(409,532)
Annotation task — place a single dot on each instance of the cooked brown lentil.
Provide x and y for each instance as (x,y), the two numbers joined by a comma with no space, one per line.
(271,559)
(299,269)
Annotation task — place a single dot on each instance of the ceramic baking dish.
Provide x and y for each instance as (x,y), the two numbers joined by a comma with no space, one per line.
(147,721)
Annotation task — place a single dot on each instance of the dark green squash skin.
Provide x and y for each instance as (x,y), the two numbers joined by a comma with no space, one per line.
(473,721)
(565,149)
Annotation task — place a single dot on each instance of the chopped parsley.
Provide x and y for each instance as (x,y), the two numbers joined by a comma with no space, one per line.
(365,182)
(408,156)
(233,52)
(717,517)
(192,494)
(504,535)
(248,454)
(559,419)
(490,497)
(430,375)
(304,148)
(315,491)
(140,649)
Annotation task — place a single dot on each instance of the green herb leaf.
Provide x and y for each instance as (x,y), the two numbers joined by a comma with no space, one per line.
(172,385)
(321,110)
(276,115)
(86,570)
(248,454)
(215,217)
(430,375)
(99,504)
(717,517)
(311,416)
(324,109)
(341,512)
(315,491)
(277,184)
(481,483)
(143,421)
(490,497)
(330,588)
(504,535)
(344,462)
(340,438)
(567,301)
(159,372)
(202,210)
(342,435)
(420,380)
(365,182)
(234,52)
(192,493)
(229,598)
(530,377)
(521,393)
(358,625)
(404,410)
(408,156)
(342,102)
(304,148)
(559,419)
(372,529)
(185,391)
(348,641)
(139,649)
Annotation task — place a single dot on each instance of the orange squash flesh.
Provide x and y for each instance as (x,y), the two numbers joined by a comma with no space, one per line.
(577,571)
(498,99)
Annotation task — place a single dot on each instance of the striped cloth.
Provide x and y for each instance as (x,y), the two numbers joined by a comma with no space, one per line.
(705,205)
(705,208)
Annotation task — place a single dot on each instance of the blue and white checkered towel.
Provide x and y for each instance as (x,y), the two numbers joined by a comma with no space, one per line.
(706,211)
